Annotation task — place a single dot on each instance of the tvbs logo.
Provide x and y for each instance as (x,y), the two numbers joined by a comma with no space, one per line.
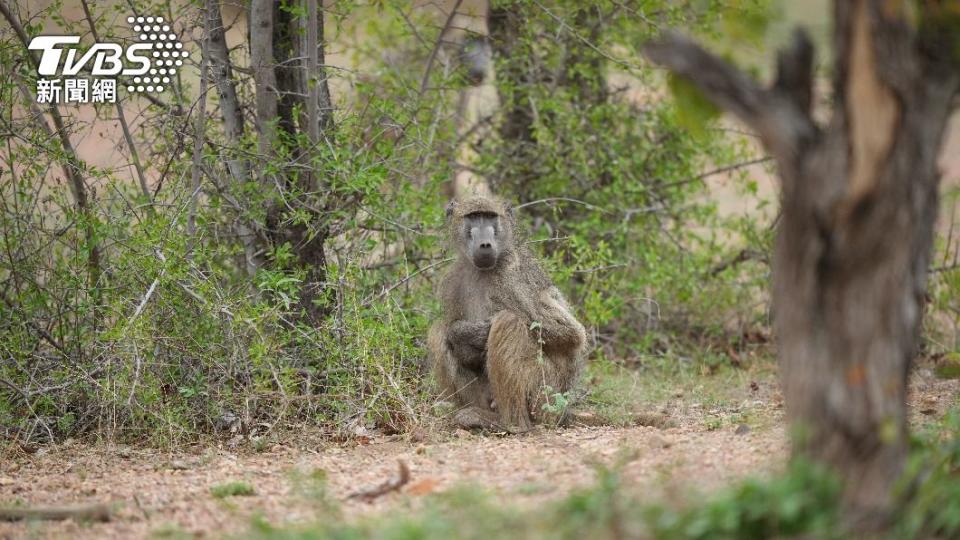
(148,65)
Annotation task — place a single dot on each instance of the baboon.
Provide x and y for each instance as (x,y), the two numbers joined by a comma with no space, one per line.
(507,340)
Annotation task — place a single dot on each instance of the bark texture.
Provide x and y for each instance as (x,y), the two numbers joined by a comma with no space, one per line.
(859,199)
(221,73)
(297,78)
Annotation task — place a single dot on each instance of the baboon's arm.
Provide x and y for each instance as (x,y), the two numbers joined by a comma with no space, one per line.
(473,333)
(558,327)
(468,341)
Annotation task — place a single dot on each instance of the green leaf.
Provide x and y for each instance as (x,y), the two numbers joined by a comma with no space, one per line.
(694,110)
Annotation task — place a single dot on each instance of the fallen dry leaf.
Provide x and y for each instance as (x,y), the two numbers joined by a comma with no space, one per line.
(423,487)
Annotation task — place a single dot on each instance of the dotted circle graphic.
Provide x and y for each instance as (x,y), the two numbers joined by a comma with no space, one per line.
(166,56)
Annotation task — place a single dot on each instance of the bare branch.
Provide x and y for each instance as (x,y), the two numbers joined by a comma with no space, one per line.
(124,127)
(436,47)
(783,126)
(387,290)
(795,71)
(560,199)
(585,41)
(71,164)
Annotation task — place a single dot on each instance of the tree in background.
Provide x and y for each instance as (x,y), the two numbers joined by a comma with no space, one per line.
(293,118)
(859,202)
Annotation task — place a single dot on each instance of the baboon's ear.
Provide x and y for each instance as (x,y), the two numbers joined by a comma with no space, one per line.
(450,207)
(512,212)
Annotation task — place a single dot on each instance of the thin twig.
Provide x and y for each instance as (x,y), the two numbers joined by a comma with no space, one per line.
(584,40)
(714,172)
(561,199)
(149,293)
(436,47)
(387,291)
(124,127)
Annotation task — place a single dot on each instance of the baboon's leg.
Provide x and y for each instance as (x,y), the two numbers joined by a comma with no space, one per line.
(516,374)
(462,386)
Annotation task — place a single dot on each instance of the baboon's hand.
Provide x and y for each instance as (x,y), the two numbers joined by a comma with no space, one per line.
(468,342)
(473,333)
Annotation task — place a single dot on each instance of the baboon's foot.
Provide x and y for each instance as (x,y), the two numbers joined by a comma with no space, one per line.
(476,418)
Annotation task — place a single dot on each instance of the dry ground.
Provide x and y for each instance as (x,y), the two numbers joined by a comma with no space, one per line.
(159,492)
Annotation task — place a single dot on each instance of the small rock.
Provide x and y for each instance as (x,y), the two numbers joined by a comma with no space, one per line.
(742,429)
(462,434)
(124,453)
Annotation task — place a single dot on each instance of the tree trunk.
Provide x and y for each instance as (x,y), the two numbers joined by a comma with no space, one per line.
(859,199)
(505,26)
(221,72)
(292,72)
(265,81)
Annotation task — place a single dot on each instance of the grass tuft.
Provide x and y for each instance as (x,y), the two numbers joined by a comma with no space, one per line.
(232,489)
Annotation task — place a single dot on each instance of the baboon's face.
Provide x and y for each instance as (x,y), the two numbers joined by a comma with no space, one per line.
(483,234)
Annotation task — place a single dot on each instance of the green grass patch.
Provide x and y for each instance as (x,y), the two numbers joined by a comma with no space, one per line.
(232,489)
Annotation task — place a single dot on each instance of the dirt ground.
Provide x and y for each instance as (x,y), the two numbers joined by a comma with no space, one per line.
(159,492)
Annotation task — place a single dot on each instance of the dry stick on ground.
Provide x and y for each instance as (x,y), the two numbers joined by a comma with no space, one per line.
(393,484)
(80,512)
(859,197)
